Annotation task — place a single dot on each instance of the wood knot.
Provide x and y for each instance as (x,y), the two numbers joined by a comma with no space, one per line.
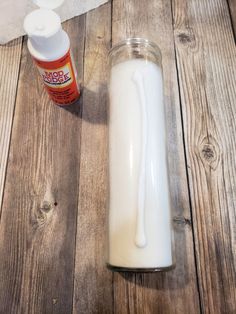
(46,207)
(186,38)
(210,153)
(43,213)
(180,220)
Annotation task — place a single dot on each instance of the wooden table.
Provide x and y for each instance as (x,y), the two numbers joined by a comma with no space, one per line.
(53,161)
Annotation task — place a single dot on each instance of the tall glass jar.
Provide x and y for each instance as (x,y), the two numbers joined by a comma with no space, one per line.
(140,223)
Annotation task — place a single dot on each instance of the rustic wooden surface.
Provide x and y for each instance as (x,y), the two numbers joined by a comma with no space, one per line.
(53,168)
(206,63)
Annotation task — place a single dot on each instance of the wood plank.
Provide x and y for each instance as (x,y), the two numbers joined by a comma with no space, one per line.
(9,70)
(93,282)
(232,8)
(176,291)
(206,57)
(38,225)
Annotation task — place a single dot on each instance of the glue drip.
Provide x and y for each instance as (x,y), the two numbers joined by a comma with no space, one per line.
(140,236)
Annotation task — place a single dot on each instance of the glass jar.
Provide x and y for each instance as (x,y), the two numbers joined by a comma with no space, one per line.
(140,232)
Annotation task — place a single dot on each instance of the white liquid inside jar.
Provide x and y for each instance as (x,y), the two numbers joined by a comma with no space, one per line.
(140,230)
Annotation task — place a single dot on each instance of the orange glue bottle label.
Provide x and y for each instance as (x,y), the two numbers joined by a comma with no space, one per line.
(60,79)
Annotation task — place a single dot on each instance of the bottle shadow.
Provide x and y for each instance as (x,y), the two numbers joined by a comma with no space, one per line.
(91,106)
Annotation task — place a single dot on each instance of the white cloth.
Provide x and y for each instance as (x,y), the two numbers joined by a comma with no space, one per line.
(12,14)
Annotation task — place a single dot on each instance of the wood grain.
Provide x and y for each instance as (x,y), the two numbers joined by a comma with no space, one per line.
(176,291)
(206,57)
(38,224)
(9,71)
(93,282)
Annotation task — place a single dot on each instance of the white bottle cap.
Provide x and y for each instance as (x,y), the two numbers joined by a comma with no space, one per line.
(43,27)
(42,24)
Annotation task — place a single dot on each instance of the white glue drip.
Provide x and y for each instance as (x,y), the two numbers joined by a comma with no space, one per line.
(140,236)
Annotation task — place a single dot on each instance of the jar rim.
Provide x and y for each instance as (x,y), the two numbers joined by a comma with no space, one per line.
(134,40)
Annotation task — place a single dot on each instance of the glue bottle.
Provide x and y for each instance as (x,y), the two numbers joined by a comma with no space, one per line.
(49,46)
